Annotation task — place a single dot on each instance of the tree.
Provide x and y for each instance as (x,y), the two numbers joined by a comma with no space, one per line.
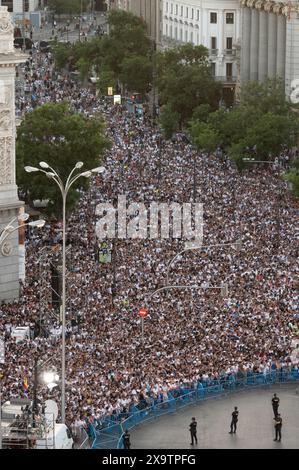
(136,73)
(185,81)
(293,176)
(258,128)
(205,137)
(55,134)
(70,7)
(169,120)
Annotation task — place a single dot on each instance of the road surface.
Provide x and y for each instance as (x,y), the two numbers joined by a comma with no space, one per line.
(255,426)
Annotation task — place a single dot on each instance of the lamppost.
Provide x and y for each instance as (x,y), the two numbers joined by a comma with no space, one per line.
(5,247)
(279,195)
(64,189)
(223,290)
(49,378)
(237,245)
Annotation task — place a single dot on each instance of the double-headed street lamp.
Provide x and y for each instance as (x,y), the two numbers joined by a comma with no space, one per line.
(64,188)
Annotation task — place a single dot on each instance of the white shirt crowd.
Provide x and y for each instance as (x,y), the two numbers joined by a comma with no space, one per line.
(190,335)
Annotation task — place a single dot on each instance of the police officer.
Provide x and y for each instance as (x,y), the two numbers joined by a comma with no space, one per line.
(192,428)
(275,404)
(126,440)
(233,424)
(278,426)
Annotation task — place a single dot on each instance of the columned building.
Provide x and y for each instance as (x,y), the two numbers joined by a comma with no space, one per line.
(270,41)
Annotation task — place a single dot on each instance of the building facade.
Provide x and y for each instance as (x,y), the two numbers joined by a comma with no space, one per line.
(214,24)
(270,42)
(20,6)
(10,205)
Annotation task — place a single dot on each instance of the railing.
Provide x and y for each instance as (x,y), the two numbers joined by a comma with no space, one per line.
(110,432)
(226,78)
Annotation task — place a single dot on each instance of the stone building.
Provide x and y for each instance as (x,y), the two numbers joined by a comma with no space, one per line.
(270,41)
(10,205)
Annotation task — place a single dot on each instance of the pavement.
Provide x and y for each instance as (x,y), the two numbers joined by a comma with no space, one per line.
(255,427)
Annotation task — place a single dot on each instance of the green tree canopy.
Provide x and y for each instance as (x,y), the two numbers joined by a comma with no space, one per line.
(293,176)
(61,7)
(55,134)
(136,74)
(184,80)
(264,121)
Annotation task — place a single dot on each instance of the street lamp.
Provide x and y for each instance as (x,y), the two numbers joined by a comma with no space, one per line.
(9,229)
(64,189)
(223,291)
(237,245)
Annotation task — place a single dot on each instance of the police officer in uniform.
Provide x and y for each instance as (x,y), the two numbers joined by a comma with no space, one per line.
(278,426)
(192,428)
(275,405)
(233,424)
(126,440)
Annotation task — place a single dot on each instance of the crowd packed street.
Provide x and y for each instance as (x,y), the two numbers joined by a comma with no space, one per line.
(189,335)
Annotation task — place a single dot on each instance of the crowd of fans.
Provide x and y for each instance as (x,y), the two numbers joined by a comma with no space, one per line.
(190,335)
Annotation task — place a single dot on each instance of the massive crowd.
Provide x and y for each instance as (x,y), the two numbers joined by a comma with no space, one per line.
(190,334)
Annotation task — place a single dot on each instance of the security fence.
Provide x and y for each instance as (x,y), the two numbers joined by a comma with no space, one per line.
(109,432)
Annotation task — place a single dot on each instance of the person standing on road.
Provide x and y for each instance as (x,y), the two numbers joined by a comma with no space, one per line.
(126,440)
(277,426)
(193,431)
(233,424)
(275,404)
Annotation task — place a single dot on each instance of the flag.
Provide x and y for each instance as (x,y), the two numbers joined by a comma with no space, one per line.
(25,384)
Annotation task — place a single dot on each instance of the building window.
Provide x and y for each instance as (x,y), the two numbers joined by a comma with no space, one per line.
(187,12)
(229,18)
(171,8)
(229,69)
(192,14)
(191,37)
(176,9)
(182,11)
(213,69)
(213,43)
(166,30)
(8,4)
(197,15)
(166,7)
(170,31)
(181,34)
(186,36)
(229,43)
(213,17)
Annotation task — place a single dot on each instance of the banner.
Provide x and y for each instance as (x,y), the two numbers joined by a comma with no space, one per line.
(104,254)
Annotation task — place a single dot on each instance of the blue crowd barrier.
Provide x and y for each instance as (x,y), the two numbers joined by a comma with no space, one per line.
(109,435)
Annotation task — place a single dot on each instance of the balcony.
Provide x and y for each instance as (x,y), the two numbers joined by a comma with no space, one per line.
(230,52)
(213,51)
(226,79)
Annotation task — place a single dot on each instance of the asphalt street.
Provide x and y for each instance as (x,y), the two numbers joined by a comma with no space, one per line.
(255,427)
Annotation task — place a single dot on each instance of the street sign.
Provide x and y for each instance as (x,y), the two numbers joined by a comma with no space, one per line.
(117,99)
(110,91)
(143,312)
